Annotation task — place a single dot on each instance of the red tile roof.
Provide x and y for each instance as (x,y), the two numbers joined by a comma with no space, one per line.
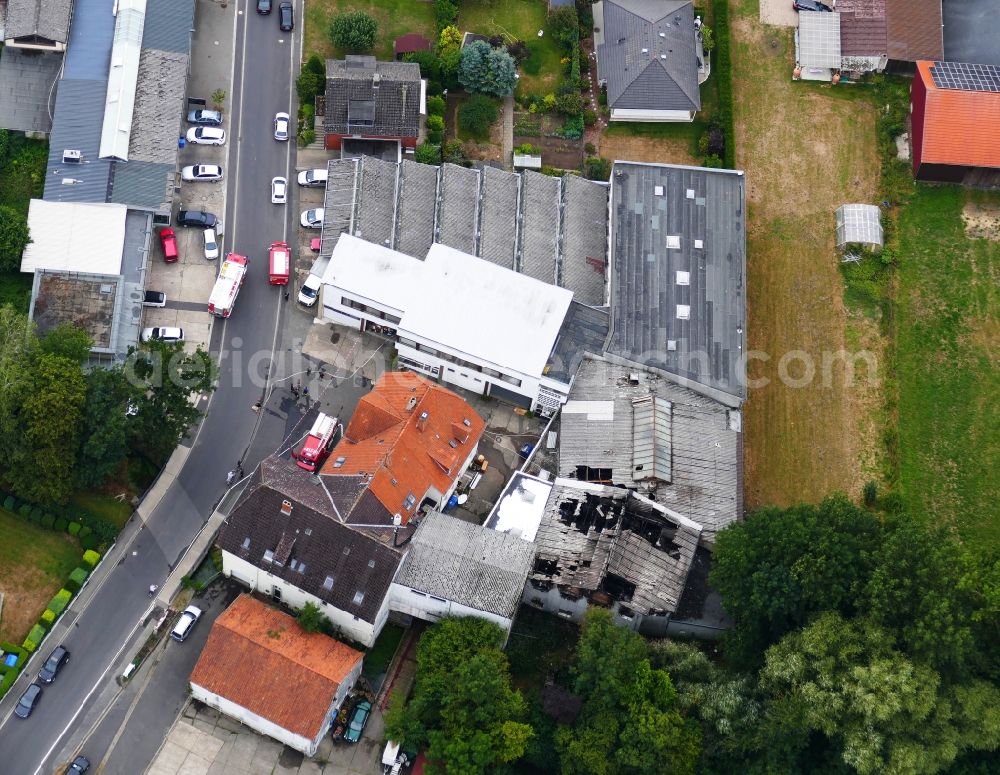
(407,435)
(914,29)
(959,127)
(260,659)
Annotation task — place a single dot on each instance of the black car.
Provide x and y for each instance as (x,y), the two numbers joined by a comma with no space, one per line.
(264,7)
(198,218)
(52,666)
(285,20)
(28,701)
(79,766)
(810,5)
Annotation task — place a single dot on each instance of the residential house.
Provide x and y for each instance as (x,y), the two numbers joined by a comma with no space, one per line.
(650,58)
(262,669)
(373,101)
(914,31)
(955,123)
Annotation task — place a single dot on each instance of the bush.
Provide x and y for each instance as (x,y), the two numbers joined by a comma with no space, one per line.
(589,117)
(596,168)
(74,528)
(573,128)
(477,115)
(564,26)
(354,31)
(91,558)
(870,493)
(35,517)
(712,161)
(307,136)
(435,124)
(35,637)
(25,511)
(48,521)
(9,503)
(58,603)
(723,69)
(435,106)
(427,153)
(527,149)
(308,85)
(590,148)
(47,618)
(445,13)
(85,531)
(308,112)
(90,542)
(569,103)
(452,152)
(60,525)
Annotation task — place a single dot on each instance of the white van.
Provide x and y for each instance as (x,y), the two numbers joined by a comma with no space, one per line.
(186,623)
(309,290)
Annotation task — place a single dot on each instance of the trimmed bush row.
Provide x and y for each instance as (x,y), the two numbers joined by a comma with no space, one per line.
(724,72)
(90,530)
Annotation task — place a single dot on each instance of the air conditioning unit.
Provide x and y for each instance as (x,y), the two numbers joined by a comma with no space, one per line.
(72,157)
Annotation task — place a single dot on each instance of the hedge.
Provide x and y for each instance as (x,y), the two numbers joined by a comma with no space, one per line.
(85,531)
(48,617)
(61,524)
(44,623)
(35,637)
(25,511)
(91,558)
(60,518)
(89,542)
(58,603)
(9,503)
(724,72)
(79,576)
(48,521)
(74,528)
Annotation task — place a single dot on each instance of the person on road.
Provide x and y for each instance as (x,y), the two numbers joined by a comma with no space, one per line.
(230,476)
(152,589)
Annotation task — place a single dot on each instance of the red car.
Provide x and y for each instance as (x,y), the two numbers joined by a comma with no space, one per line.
(169,241)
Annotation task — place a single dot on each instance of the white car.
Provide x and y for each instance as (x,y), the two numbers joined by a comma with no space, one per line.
(162,334)
(209,173)
(279,190)
(186,623)
(211,244)
(312,178)
(206,135)
(312,219)
(309,290)
(281,126)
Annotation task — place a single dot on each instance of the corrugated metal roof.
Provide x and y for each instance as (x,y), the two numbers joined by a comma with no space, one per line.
(76,125)
(651,431)
(27,90)
(89,51)
(122,79)
(168,25)
(143,184)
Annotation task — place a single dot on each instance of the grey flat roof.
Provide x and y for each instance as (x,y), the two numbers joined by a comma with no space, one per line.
(459,206)
(415,214)
(169,25)
(468,564)
(498,220)
(691,326)
(378,201)
(584,243)
(539,240)
(598,427)
(584,330)
(27,89)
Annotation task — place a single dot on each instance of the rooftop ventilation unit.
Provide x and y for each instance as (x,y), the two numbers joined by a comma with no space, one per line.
(107,288)
(671,345)
(699,244)
(689,193)
(683,312)
(645,51)
(673,242)
(658,190)
(72,156)
(683,278)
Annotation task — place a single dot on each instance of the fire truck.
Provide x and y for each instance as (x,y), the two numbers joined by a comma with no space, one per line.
(232,273)
(318,443)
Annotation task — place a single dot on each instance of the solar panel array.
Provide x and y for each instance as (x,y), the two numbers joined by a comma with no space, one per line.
(966,77)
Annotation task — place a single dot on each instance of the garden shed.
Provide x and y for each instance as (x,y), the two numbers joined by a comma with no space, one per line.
(859,223)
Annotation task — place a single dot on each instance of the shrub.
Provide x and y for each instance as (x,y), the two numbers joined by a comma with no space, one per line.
(549,101)
(308,85)
(427,153)
(435,138)
(870,493)
(47,618)
(564,26)
(79,576)
(602,97)
(435,124)
(35,637)
(596,168)
(590,148)
(9,503)
(707,38)
(58,603)
(435,106)
(85,531)
(25,511)
(354,31)
(525,148)
(48,521)
(307,136)
(573,128)
(713,161)
(589,117)
(61,525)
(308,115)
(569,103)
(74,528)
(452,152)
(723,69)
(477,114)
(35,517)
(445,13)
(91,558)
(90,542)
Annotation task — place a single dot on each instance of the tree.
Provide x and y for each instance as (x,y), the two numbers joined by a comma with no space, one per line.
(477,114)
(68,341)
(781,566)
(428,153)
(311,619)
(485,70)
(449,39)
(430,65)
(104,419)
(14,238)
(354,31)
(564,26)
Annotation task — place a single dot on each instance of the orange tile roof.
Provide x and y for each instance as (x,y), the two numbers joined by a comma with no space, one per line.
(260,659)
(403,454)
(960,127)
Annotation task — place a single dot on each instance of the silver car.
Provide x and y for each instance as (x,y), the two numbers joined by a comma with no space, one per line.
(281,121)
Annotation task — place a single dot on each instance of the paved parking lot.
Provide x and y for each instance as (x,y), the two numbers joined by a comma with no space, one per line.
(304,199)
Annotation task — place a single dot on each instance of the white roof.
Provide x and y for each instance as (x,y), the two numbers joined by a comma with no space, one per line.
(482,309)
(75,237)
(819,39)
(123,75)
(374,272)
(227,284)
(522,507)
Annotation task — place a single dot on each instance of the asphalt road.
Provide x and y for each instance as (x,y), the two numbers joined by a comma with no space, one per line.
(102,633)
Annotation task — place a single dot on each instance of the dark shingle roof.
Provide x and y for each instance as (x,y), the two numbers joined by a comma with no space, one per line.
(395,93)
(862,28)
(914,30)
(48,19)
(648,56)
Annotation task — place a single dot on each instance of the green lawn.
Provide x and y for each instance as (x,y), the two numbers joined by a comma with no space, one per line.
(380,654)
(518,20)
(394,17)
(34,563)
(948,340)
(104,506)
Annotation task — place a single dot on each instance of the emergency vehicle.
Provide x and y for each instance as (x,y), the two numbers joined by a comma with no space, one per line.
(279,263)
(232,273)
(318,443)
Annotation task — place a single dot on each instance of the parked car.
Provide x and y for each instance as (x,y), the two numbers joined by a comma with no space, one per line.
(312,219)
(162,334)
(186,623)
(285,20)
(28,701)
(52,666)
(211,244)
(205,173)
(264,7)
(206,135)
(359,717)
(208,117)
(312,178)
(198,218)
(169,242)
(154,299)
(281,126)
(810,5)
(309,290)
(79,766)
(279,191)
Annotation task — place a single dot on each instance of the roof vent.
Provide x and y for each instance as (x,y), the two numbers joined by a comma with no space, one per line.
(633,378)
(422,421)
(371,563)
(411,403)
(339,462)
(286,507)
(246,542)
(699,244)
(645,51)
(397,519)
(683,312)
(671,345)
(663,56)
(683,278)
(107,288)
(658,190)
(663,34)
(689,193)
(467,422)
(72,156)
(673,242)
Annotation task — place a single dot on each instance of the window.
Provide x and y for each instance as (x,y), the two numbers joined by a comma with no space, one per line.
(371,563)
(339,462)
(246,542)
(565,614)
(410,501)
(407,342)
(293,564)
(268,555)
(276,592)
(511,380)
(359,596)
(328,583)
(302,568)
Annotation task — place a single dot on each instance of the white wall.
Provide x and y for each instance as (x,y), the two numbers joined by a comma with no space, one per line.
(407,600)
(633,114)
(351,626)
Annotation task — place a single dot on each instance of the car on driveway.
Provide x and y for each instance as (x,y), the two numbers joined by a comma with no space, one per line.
(279,191)
(207,117)
(28,701)
(264,7)
(169,242)
(312,178)
(359,717)
(197,218)
(285,17)
(281,126)
(312,219)
(186,623)
(52,666)
(205,173)
(309,290)
(810,5)
(162,334)
(211,244)
(79,766)
(154,299)
(206,135)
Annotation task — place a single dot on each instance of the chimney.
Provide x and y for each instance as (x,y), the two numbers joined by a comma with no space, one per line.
(411,404)
(286,507)
(421,421)
(376,79)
